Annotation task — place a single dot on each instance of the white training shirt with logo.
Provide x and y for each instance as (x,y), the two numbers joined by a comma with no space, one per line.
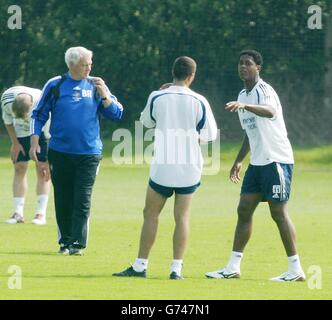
(267,136)
(181,117)
(22,127)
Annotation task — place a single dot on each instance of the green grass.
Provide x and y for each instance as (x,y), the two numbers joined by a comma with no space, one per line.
(114,232)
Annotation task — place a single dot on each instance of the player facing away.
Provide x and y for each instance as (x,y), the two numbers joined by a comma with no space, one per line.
(181,118)
(17,104)
(269,174)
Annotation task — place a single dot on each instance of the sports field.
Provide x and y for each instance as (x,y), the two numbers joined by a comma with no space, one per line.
(114,232)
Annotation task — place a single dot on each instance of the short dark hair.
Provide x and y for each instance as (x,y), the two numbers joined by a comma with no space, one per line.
(183,67)
(254,54)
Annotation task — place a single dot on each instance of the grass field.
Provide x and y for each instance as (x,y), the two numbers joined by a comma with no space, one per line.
(114,232)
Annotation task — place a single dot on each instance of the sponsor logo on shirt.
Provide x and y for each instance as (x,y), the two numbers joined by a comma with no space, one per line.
(250,123)
(77,94)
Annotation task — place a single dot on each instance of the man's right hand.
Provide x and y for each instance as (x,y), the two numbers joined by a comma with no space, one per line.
(15,151)
(34,148)
(234,174)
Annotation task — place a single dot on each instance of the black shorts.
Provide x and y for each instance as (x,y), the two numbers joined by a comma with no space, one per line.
(167,192)
(272,180)
(25,142)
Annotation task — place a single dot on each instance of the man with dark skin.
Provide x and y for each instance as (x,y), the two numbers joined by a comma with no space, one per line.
(269,174)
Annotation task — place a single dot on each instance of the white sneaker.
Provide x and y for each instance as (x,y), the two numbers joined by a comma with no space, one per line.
(222,274)
(39,219)
(15,218)
(290,276)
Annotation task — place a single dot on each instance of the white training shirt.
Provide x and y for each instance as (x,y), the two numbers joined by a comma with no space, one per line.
(181,117)
(21,127)
(267,136)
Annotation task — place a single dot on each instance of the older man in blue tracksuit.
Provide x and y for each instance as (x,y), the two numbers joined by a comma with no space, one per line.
(74,102)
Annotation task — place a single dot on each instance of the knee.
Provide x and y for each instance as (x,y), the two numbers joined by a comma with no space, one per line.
(278,216)
(181,218)
(150,215)
(244,213)
(20,168)
(41,169)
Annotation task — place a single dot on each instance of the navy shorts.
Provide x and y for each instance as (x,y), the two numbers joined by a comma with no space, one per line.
(168,191)
(272,180)
(25,142)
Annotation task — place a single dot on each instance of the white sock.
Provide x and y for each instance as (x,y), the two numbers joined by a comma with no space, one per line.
(234,263)
(19,205)
(294,264)
(176,266)
(140,265)
(42,200)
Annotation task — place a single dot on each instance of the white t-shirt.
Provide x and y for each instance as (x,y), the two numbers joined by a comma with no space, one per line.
(267,136)
(181,117)
(21,126)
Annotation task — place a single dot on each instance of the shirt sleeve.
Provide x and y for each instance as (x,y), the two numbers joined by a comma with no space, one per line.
(147,119)
(46,129)
(268,97)
(7,115)
(41,113)
(206,125)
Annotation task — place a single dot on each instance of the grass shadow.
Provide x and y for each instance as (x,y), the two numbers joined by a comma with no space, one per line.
(35,253)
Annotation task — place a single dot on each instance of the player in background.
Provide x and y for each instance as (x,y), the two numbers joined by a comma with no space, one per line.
(17,104)
(181,118)
(268,177)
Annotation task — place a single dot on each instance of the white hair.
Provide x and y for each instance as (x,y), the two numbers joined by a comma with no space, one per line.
(74,54)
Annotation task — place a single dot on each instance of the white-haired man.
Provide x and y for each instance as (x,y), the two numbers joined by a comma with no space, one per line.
(75,101)
(17,103)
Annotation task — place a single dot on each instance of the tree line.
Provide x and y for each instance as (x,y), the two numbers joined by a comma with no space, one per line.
(135,43)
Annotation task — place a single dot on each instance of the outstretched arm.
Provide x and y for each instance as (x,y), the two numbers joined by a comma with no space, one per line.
(259,110)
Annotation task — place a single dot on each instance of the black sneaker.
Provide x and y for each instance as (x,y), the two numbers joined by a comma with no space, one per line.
(130,272)
(63,250)
(175,276)
(75,251)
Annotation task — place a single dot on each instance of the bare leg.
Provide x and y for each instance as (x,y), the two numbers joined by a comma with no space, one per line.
(247,205)
(20,183)
(181,232)
(43,187)
(285,225)
(154,203)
